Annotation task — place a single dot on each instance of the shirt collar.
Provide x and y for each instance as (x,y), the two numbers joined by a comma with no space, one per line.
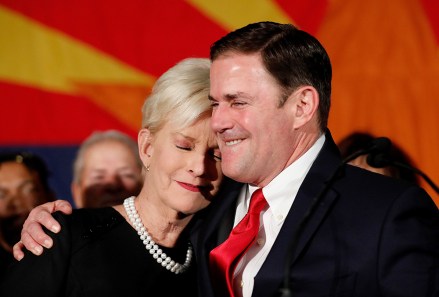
(287,183)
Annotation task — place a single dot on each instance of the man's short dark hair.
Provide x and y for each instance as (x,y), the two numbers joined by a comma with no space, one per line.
(292,56)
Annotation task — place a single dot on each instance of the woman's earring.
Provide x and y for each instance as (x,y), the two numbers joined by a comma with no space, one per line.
(147,168)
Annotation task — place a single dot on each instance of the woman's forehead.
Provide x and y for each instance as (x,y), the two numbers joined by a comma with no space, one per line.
(200,131)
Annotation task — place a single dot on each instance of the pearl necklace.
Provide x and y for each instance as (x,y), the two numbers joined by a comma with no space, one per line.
(150,244)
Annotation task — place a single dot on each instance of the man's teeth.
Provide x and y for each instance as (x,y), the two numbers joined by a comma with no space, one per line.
(233,142)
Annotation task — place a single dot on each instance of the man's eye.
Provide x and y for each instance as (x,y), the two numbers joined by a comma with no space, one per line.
(238,103)
(128,176)
(97,178)
(29,189)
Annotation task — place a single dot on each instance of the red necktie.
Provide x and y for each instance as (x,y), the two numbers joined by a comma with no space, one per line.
(225,257)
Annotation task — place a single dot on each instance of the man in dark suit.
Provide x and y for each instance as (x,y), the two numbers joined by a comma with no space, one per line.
(366,235)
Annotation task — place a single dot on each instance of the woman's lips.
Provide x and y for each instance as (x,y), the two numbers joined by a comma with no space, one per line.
(190,187)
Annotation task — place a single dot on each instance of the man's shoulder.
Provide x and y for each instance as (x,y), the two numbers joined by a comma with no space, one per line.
(360,176)
(358,183)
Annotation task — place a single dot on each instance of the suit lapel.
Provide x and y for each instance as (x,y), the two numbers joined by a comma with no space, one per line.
(294,235)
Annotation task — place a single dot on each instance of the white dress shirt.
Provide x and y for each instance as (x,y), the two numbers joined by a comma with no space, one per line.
(280,194)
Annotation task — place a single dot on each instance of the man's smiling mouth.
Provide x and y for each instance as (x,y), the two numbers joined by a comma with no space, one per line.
(232,142)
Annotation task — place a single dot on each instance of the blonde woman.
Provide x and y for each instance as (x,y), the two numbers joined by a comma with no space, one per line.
(140,248)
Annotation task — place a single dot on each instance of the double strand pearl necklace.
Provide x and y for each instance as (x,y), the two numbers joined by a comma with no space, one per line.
(150,244)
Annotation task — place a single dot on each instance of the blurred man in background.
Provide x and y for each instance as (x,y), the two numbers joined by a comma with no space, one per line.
(107,169)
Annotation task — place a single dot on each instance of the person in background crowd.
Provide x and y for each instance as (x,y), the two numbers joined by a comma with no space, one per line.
(360,140)
(23,185)
(106,170)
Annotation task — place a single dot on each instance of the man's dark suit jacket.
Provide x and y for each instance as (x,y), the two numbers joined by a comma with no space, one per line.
(370,236)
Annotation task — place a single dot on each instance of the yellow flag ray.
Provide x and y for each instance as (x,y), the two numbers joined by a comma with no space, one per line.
(233,14)
(37,56)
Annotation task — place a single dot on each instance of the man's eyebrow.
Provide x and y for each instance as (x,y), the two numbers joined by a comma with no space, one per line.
(231,96)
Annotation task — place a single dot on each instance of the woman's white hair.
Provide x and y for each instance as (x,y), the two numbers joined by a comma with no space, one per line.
(179,96)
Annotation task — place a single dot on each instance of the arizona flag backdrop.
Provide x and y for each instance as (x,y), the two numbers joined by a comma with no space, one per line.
(69,68)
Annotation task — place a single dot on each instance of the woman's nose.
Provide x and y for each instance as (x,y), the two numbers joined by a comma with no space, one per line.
(197,165)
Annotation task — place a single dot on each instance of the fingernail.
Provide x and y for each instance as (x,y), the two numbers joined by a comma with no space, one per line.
(38,250)
(20,257)
(55,229)
(47,243)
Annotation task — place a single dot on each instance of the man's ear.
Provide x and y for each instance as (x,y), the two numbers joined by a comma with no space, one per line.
(306,103)
(146,148)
